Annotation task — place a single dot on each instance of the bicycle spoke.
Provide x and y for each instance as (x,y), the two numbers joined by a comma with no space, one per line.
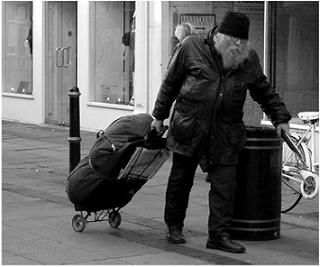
(290,195)
(296,190)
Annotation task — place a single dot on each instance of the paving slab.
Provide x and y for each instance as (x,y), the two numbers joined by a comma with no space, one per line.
(9,258)
(163,259)
(46,251)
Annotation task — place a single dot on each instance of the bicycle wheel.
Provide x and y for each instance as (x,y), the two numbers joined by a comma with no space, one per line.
(291,188)
(290,194)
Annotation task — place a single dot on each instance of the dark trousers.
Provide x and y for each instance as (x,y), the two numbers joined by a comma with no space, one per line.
(221,194)
(221,198)
(178,189)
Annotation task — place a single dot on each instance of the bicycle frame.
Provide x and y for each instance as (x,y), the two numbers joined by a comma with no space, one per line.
(309,151)
(294,149)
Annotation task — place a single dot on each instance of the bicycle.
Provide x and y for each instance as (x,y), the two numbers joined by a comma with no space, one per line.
(300,172)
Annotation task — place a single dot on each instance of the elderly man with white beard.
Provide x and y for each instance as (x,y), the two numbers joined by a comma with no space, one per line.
(209,77)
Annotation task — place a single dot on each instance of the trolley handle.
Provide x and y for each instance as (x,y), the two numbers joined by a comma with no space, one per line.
(153,137)
(154,134)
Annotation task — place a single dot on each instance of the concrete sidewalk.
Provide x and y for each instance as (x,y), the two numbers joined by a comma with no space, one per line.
(36,215)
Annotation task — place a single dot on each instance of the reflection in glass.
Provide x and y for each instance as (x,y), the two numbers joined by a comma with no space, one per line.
(112,39)
(296,45)
(17,47)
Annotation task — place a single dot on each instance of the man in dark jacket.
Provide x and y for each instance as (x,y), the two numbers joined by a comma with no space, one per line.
(208,77)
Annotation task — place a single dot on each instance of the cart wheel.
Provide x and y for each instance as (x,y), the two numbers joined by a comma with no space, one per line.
(114,219)
(78,223)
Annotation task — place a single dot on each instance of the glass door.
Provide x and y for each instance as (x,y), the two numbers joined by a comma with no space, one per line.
(61,59)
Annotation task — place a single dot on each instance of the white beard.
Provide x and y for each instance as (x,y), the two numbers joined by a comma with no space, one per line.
(233,56)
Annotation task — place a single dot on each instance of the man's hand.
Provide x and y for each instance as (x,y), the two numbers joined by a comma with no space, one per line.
(158,125)
(283,127)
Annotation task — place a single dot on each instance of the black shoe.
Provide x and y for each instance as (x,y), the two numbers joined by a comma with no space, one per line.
(175,235)
(226,244)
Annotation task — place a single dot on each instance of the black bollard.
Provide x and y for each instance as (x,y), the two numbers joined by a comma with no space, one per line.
(74,133)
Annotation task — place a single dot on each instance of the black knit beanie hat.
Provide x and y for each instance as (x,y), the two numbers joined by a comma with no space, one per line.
(235,24)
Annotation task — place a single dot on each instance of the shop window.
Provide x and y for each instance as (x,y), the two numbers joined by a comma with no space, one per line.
(112,44)
(17,47)
(294,54)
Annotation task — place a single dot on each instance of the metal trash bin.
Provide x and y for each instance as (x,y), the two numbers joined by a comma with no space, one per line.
(258,193)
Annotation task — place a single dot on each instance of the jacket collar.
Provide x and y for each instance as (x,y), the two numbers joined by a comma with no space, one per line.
(215,59)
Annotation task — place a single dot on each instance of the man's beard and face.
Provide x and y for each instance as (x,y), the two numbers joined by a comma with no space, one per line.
(232,54)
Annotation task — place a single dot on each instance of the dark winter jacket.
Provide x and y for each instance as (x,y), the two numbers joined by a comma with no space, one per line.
(207,116)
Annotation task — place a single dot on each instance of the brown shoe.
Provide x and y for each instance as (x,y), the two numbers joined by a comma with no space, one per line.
(226,244)
(175,235)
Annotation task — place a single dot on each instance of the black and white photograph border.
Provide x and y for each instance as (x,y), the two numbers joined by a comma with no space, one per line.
(73,70)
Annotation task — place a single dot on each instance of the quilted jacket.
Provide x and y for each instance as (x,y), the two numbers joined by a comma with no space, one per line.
(207,116)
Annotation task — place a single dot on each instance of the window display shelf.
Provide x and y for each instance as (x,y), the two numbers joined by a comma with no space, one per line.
(15,95)
(113,106)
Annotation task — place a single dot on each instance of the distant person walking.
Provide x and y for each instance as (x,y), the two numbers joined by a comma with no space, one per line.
(182,31)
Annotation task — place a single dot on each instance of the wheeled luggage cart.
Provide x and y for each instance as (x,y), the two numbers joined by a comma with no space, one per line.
(142,166)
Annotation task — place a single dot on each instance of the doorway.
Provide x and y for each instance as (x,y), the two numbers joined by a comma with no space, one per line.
(61,59)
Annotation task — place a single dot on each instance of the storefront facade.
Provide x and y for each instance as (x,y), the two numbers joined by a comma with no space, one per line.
(76,43)
(117,54)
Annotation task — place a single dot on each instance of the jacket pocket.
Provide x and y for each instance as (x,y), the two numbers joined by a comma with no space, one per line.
(236,137)
(182,127)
